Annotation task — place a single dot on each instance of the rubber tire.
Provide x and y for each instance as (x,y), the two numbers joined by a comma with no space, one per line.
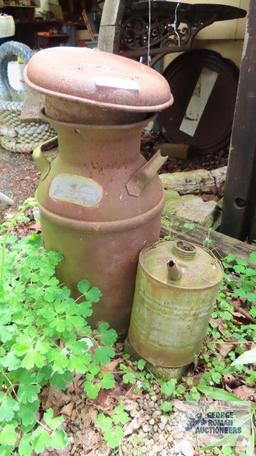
(9,51)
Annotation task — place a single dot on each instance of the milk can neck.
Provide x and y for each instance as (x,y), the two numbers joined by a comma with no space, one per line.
(98,141)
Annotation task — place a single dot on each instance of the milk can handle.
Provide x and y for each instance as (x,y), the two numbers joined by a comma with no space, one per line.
(144,175)
(41,161)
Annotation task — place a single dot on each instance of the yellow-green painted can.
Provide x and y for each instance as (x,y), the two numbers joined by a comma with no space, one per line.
(176,289)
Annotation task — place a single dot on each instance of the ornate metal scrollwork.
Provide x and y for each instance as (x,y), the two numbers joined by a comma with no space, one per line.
(173,26)
(135,29)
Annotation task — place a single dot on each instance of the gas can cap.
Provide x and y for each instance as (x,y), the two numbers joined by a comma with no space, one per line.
(98,78)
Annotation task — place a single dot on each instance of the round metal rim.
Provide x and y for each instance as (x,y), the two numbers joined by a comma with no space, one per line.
(107,227)
(98,104)
(125,126)
(151,361)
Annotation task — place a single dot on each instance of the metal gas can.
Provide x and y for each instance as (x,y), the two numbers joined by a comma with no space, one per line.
(176,289)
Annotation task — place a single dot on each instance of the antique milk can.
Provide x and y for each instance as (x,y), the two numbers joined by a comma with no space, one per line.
(176,289)
(99,200)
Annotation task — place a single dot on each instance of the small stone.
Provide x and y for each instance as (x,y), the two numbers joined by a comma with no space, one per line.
(150,443)
(154,398)
(162,439)
(151,404)
(152,422)
(178,435)
(145,428)
(68,409)
(161,426)
(163,419)
(156,413)
(164,453)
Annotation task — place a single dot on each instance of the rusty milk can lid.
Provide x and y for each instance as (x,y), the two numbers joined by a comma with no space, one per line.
(181,264)
(98,78)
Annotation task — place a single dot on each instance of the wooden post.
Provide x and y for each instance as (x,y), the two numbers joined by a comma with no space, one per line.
(110,25)
(239,217)
(220,244)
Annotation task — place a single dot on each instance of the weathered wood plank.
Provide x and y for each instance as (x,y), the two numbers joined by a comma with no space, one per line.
(220,244)
(239,209)
(196,181)
(110,26)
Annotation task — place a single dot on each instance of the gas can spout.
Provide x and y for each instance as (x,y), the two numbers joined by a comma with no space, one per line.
(174,271)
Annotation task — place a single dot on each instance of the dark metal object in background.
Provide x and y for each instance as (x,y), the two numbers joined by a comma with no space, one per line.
(165,38)
(204,85)
(239,211)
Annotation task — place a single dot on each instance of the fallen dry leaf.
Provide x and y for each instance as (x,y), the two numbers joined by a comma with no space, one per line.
(242,313)
(225,348)
(180,405)
(110,367)
(185,447)
(231,382)
(245,393)
(53,398)
(67,409)
(197,378)
(220,325)
(88,438)
(131,406)
(105,399)
(88,416)
(135,424)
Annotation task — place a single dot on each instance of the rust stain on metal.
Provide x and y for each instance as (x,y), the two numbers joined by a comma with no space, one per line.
(87,213)
(175,293)
(98,79)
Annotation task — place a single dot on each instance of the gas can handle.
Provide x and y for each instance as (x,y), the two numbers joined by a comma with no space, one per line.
(41,161)
(144,175)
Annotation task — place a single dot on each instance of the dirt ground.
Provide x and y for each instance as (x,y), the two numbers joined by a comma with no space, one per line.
(18,176)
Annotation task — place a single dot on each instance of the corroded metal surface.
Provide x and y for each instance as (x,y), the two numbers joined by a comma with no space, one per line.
(170,313)
(97,79)
(89,212)
(87,180)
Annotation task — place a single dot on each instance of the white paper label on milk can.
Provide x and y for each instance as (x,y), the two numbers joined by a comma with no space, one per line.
(76,189)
